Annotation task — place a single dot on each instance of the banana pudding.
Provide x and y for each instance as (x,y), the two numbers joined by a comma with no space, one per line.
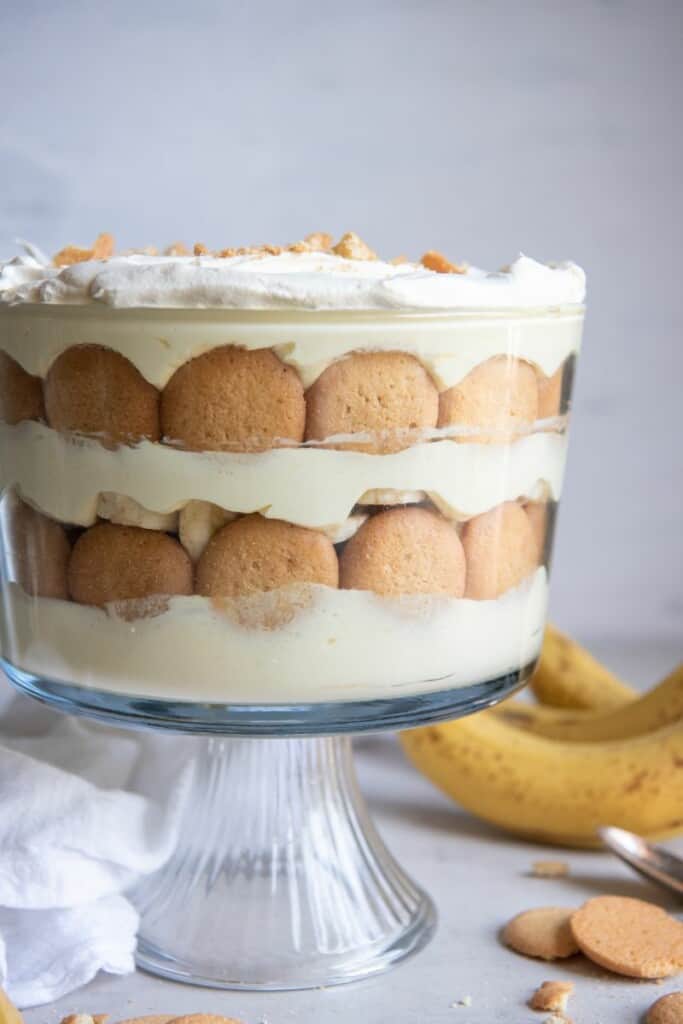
(279,475)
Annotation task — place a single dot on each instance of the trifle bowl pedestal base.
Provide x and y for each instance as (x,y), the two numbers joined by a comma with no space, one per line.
(279,879)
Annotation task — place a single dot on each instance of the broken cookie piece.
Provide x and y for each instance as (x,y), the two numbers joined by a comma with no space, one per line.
(552,995)
(549,869)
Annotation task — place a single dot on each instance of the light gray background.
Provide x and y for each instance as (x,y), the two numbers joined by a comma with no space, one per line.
(480,128)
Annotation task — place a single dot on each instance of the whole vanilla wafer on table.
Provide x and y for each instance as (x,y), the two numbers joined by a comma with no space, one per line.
(629,936)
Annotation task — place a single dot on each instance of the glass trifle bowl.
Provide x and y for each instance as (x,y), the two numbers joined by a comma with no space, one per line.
(276,497)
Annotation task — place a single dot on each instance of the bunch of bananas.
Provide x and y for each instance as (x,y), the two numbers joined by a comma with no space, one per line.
(8,1011)
(592,752)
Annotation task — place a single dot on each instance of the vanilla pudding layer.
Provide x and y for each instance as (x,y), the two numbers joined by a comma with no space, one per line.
(159,341)
(336,645)
(63,476)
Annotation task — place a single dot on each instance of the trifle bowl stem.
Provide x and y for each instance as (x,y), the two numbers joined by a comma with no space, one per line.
(279,879)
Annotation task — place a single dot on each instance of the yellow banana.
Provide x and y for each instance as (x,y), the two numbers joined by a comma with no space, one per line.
(8,1011)
(567,676)
(554,791)
(660,706)
(540,718)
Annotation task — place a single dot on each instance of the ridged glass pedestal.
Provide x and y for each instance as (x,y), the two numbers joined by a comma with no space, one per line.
(279,879)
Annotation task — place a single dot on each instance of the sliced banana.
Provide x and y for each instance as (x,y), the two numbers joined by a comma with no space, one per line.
(124,511)
(391,496)
(446,510)
(199,520)
(341,532)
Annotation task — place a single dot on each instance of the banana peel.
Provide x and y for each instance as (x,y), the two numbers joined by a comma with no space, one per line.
(662,706)
(568,676)
(8,1011)
(554,791)
(555,772)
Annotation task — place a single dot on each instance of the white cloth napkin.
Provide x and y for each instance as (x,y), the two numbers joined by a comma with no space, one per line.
(85,811)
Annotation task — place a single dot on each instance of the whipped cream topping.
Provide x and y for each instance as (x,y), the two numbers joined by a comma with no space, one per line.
(307,281)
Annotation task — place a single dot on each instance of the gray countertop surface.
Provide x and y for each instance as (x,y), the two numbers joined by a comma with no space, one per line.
(478,878)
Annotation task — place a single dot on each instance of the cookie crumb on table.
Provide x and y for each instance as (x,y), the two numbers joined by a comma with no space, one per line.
(552,995)
(549,869)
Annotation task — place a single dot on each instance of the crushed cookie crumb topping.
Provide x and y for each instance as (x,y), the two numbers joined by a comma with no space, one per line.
(102,249)
(176,249)
(437,262)
(318,241)
(351,247)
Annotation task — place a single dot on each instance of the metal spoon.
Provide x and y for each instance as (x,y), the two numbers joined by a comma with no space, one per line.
(653,862)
